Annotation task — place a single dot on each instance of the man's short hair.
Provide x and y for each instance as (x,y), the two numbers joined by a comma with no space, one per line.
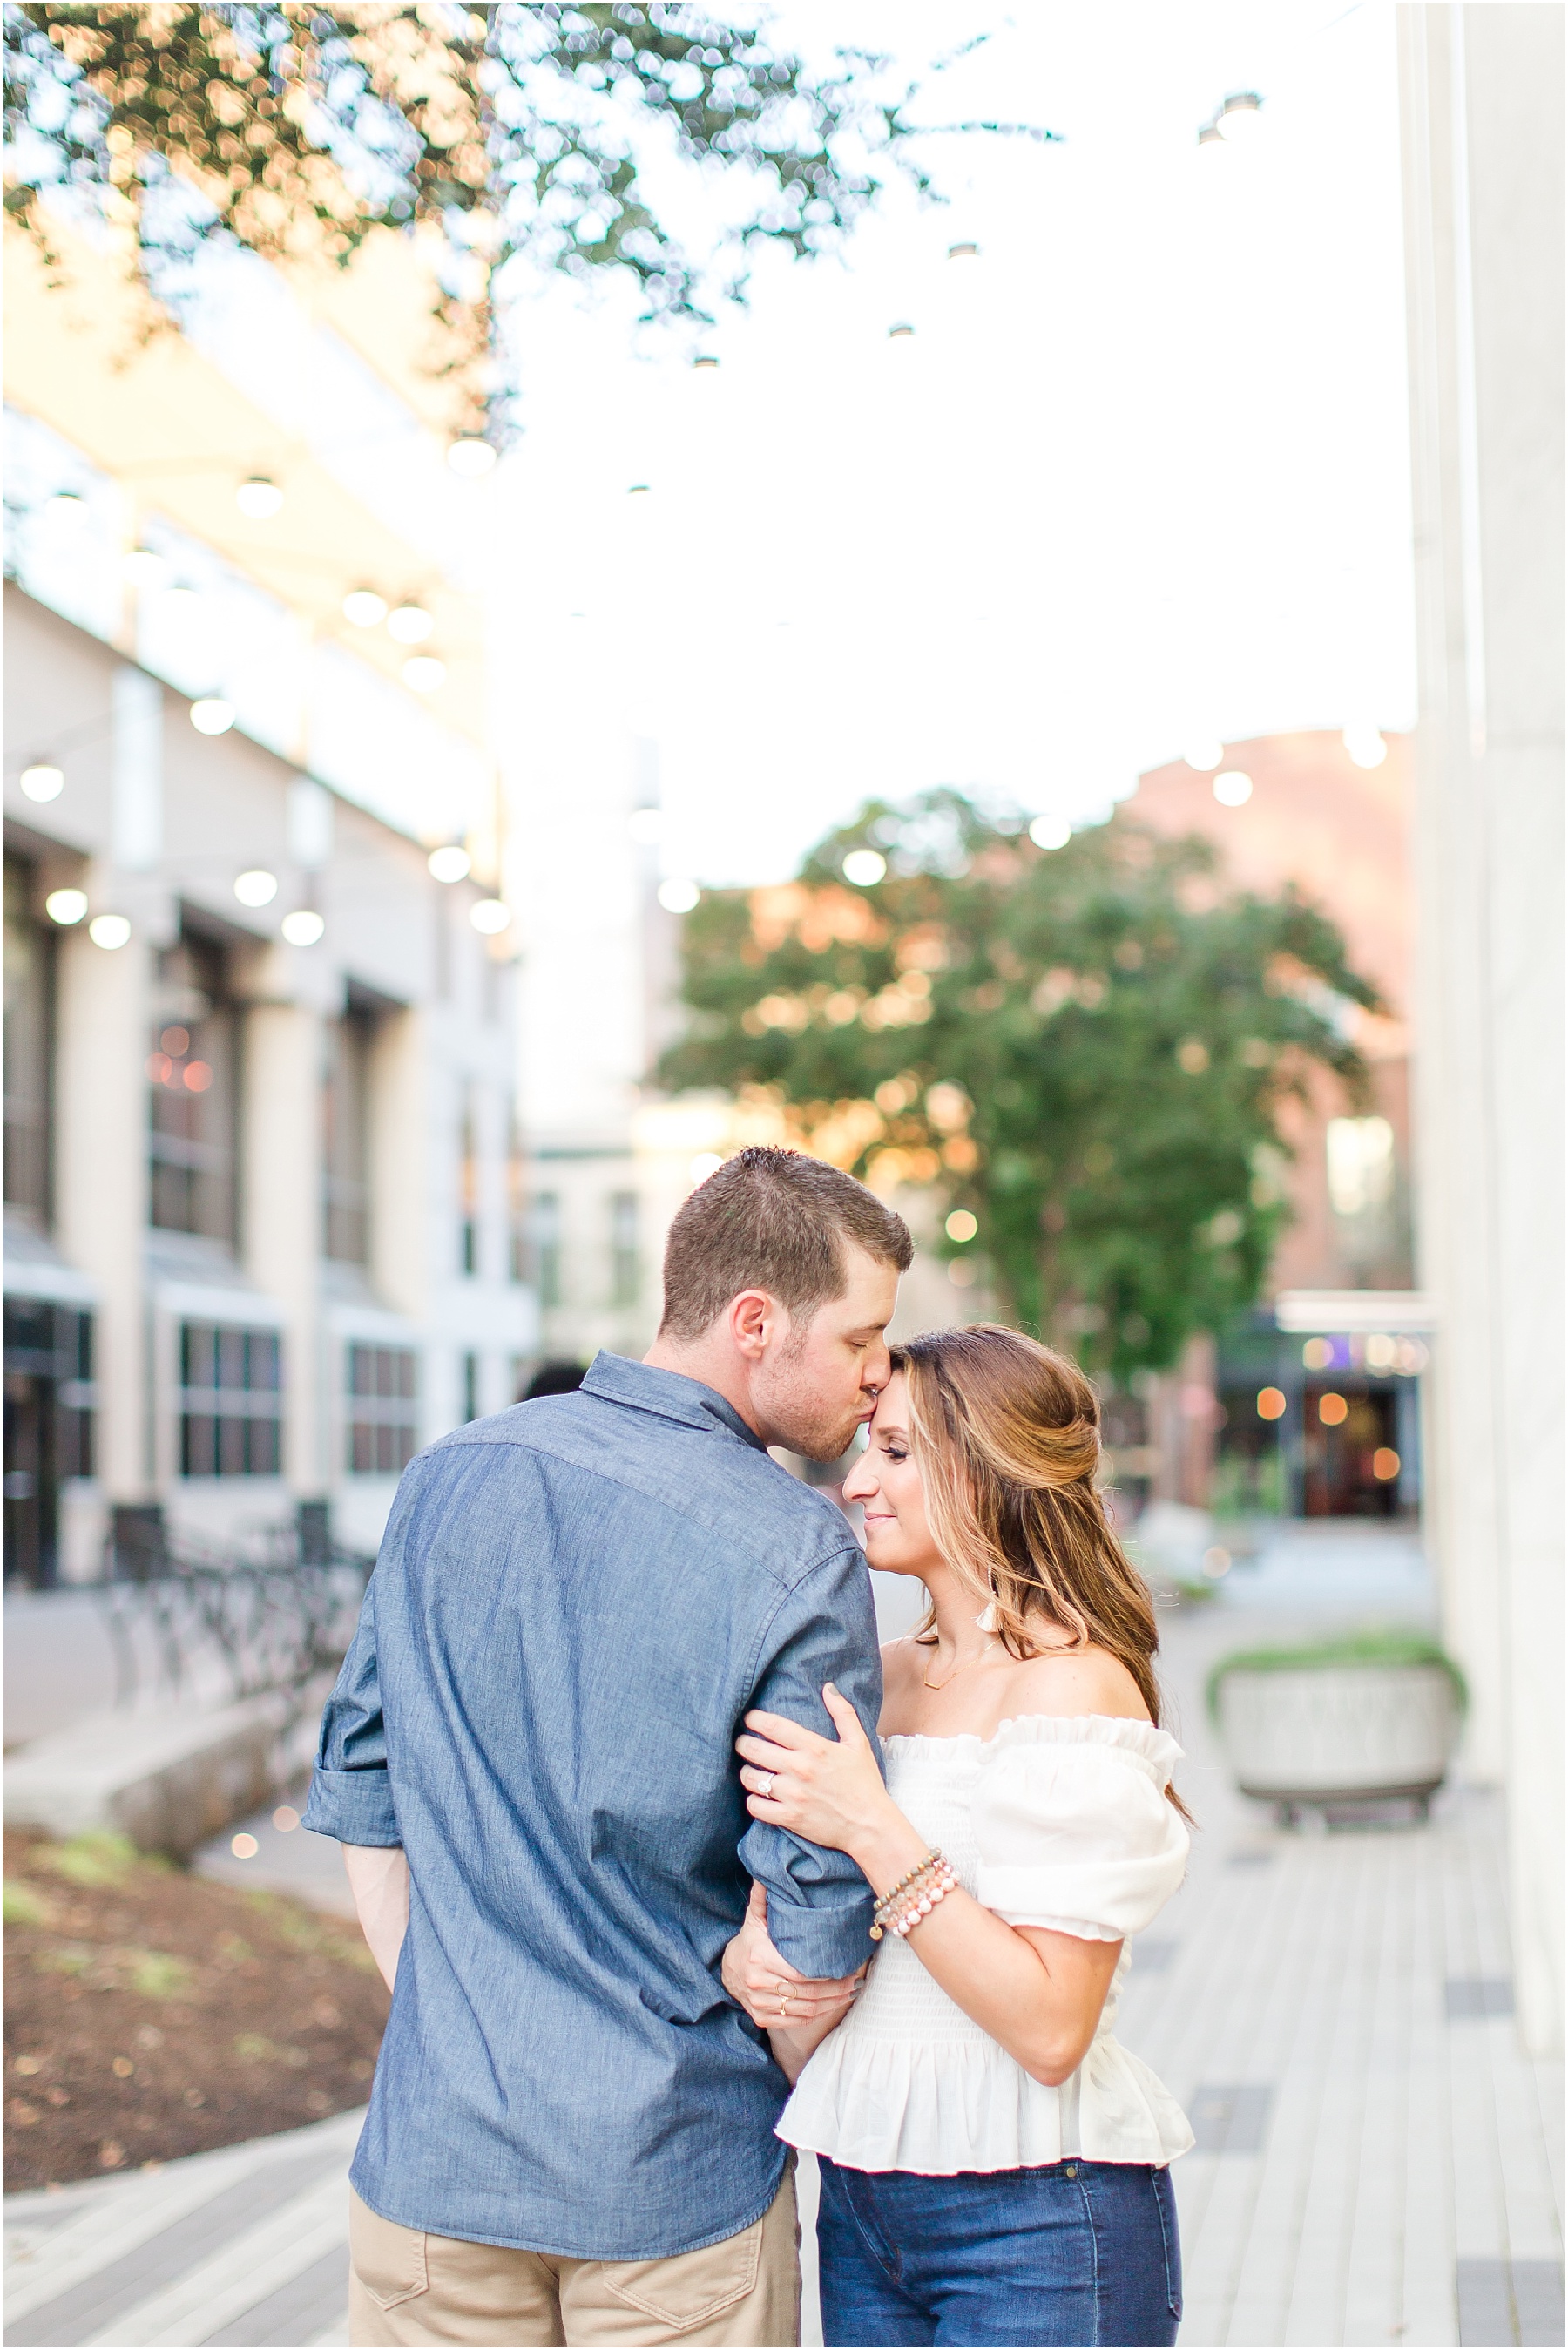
(773,1220)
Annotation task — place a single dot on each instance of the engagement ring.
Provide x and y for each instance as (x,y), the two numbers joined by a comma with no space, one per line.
(766,1790)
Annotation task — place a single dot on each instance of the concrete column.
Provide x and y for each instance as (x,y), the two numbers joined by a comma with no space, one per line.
(101,1180)
(281,1208)
(1482,107)
(401,1145)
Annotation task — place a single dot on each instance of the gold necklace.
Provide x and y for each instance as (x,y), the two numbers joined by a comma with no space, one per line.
(927,1682)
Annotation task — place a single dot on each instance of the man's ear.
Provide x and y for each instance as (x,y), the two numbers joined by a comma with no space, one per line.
(752,1315)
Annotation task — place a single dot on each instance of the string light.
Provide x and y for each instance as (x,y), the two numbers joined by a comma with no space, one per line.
(260,498)
(211,714)
(42,781)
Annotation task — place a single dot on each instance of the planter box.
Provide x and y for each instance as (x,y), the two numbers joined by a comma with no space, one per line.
(1339,1733)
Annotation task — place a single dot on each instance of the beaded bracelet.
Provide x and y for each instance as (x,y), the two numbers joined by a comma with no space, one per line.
(886,1901)
(926,1901)
(903,1898)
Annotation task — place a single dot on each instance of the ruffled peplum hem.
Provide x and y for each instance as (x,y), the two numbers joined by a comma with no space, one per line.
(940,2109)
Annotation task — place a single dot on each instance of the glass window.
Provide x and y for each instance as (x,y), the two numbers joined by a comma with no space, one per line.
(383,1410)
(516,1205)
(346,1152)
(231,1401)
(623,1248)
(193,1077)
(28,974)
(547,1247)
(468,1189)
(471,1386)
(50,1400)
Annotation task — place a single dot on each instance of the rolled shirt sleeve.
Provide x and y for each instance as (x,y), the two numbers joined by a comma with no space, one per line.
(1074,1828)
(820,1907)
(350,1789)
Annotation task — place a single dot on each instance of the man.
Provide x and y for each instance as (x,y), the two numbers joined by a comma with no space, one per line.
(528,1758)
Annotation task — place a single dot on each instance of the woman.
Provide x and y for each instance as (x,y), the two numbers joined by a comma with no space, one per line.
(994,2165)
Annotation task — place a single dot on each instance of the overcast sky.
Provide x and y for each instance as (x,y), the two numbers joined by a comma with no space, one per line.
(1139,474)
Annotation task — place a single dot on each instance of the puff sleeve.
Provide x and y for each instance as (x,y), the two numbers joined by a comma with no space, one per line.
(1073,1826)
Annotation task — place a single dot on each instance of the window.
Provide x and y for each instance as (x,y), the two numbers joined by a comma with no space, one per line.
(28,1005)
(194,1074)
(547,1247)
(345,1104)
(50,1400)
(383,1416)
(623,1248)
(468,1190)
(471,1386)
(1360,1164)
(516,1205)
(231,1401)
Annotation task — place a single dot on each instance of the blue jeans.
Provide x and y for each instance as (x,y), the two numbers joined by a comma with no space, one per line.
(1072,2252)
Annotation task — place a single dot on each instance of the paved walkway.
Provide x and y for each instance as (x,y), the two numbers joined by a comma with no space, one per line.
(1376,2162)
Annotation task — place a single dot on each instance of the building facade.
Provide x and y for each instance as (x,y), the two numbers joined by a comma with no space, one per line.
(1322,1418)
(264,1233)
(263,1179)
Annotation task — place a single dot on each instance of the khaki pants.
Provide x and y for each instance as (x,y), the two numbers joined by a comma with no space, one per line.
(407,2288)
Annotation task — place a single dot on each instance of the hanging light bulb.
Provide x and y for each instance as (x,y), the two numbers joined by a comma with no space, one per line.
(260,497)
(410,624)
(1239,117)
(471,458)
(364,607)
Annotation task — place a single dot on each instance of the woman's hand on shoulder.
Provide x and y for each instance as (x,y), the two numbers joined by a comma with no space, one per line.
(1073,1683)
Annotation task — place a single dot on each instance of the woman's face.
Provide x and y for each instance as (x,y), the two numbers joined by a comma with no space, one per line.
(887,1481)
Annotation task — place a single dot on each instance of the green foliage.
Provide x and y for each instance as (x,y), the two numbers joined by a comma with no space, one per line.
(157,1975)
(1392,1646)
(1088,1049)
(514,129)
(97,1858)
(24,1905)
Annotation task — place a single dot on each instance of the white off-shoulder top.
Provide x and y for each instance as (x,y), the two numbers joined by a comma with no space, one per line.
(1054,1821)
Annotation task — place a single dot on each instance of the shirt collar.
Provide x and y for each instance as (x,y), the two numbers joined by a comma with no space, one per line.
(669,1395)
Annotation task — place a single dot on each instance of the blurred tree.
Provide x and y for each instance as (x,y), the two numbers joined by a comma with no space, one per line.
(1085,1052)
(298,127)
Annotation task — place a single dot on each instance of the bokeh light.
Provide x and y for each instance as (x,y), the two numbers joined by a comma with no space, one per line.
(42,781)
(108,931)
(1270,1403)
(66,905)
(1332,1409)
(962,1224)
(864,867)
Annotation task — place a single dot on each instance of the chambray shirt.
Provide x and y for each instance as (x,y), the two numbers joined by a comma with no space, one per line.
(575,1603)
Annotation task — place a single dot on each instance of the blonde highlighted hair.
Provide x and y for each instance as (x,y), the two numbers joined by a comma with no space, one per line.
(1006,1436)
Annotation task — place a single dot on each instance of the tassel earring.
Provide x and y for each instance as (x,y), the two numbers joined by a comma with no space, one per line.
(986,1619)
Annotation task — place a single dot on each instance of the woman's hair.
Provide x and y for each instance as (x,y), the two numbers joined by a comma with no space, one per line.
(1006,1436)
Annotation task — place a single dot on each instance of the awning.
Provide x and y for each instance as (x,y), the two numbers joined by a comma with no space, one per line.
(1397,1312)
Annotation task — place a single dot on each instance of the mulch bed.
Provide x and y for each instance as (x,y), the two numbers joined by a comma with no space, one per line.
(150,2013)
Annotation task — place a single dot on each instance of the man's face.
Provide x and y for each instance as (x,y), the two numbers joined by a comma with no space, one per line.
(820,1382)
